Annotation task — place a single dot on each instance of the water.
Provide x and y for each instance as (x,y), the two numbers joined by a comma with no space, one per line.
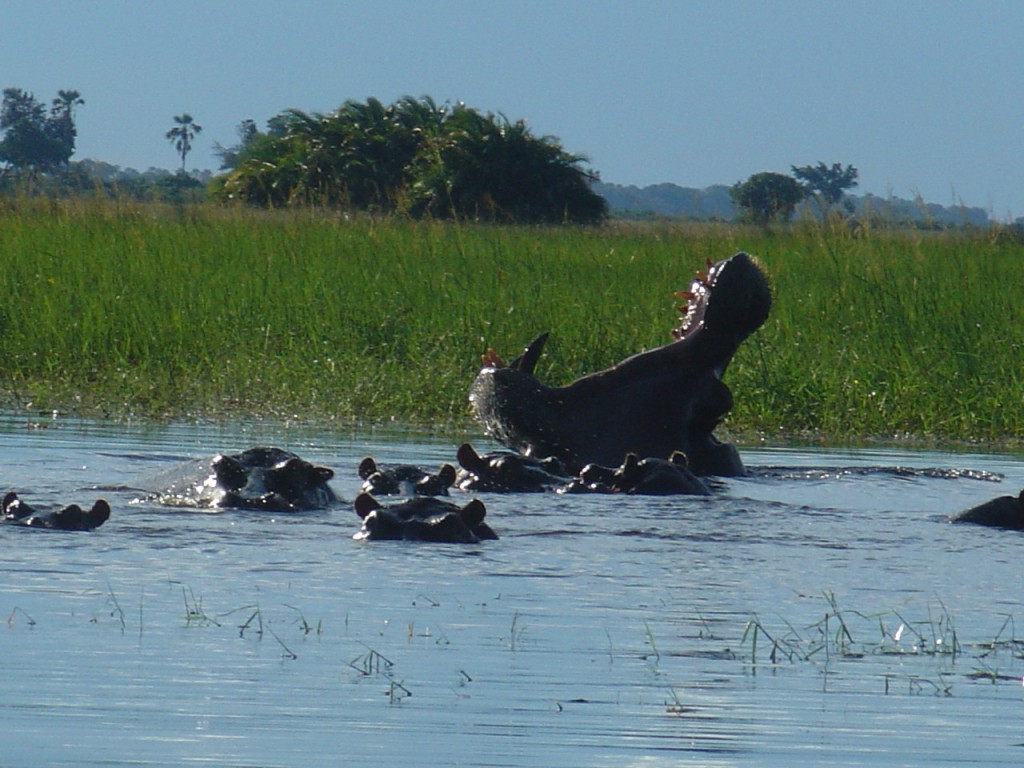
(599,631)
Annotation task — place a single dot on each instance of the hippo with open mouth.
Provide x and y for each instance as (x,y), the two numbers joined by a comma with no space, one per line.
(654,403)
(70,518)
(264,478)
(422,518)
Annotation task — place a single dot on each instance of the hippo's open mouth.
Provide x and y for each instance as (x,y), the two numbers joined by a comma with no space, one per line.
(651,404)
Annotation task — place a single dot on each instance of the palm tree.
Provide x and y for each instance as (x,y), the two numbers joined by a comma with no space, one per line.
(61,125)
(65,103)
(182,134)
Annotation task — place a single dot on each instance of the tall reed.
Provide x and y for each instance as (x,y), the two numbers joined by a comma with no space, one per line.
(112,307)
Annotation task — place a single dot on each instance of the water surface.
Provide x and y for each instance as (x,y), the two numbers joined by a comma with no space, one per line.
(820,611)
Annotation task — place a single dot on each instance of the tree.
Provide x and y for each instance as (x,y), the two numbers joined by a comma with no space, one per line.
(416,157)
(827,183)
(230,157)
(768,197)
(182,134)
(34,140)
(62,121)
(488,167)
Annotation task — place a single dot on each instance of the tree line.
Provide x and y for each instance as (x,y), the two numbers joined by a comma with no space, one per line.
(772,197)
(413,157)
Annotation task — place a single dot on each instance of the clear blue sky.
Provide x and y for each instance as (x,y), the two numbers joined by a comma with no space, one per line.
(923,97)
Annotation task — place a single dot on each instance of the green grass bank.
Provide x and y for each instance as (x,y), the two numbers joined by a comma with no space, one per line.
(118,309)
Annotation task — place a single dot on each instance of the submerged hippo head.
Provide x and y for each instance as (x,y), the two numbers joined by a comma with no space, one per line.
(269,479)
(650,477)
(505,472)
(422,518)
(70,518)
(404,479)
(651,404)
(1001,512)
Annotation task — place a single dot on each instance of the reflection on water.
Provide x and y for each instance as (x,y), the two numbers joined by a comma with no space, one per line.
(820,611)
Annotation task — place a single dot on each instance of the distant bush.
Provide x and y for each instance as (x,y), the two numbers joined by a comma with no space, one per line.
(412,157)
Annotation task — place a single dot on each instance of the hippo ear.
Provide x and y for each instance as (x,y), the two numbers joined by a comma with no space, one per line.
(630,463)
(679,459)
(365,504)
(527,361)
(367,467)
(323,474)
(473,513)
(470,459)
(446,474)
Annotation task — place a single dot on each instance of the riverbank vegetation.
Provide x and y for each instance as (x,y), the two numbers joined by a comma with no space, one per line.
(118,309)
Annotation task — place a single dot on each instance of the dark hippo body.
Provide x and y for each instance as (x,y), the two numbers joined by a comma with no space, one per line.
(1002,512)
(651,404)
(651,477)
(505,472)
(404,479)
(71,518)
(422,518)
(265,478)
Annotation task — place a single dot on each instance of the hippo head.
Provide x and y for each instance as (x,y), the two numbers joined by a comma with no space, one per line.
(404,479)
(505,472)
(271,479)
(70,518)
(651,404)
(422,518)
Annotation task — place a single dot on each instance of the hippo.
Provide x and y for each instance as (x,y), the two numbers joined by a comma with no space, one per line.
(1002,512)
(507,472)
(264,478)
(422,518)
(71,518)
(666,399)
(404,479)
(650,476)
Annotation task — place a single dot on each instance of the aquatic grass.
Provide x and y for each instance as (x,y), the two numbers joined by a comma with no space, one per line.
(122,309)
(782,647)
(256,616)
(515,633)
(17,611)
(1001,642)
(286,652)
(117,612)
(649,639)
(304,625)
(834,637)
(194,613)
(373,663)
